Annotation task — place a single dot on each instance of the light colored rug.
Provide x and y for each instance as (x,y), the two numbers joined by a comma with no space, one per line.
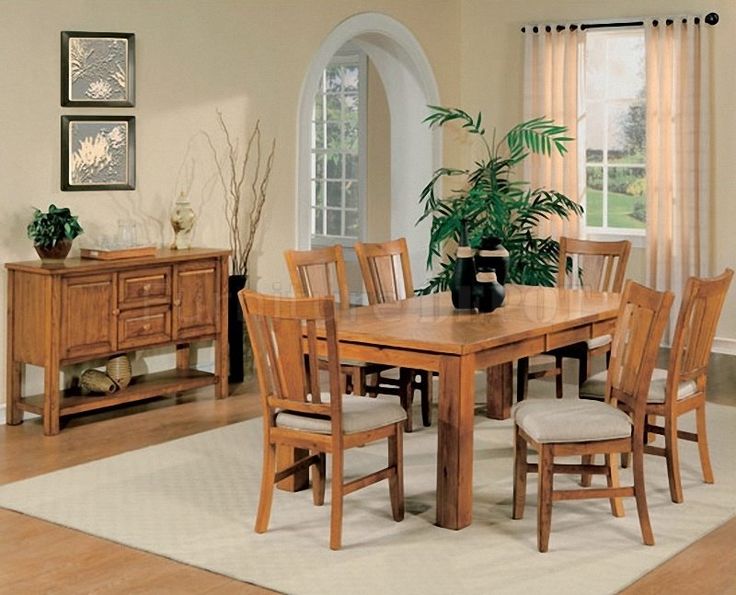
(194,500)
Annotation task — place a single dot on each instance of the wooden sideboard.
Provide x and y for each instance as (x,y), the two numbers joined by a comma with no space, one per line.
(75,310)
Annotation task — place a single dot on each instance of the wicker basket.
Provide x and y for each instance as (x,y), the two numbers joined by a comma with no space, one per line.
(118,368)
(95,381)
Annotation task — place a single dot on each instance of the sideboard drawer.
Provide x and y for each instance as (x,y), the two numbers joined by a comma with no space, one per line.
(144,287)
(148,326)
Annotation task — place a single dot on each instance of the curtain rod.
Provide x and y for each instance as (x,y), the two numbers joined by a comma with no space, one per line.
(711,19)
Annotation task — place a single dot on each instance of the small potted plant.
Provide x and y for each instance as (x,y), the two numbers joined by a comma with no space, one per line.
(52,232)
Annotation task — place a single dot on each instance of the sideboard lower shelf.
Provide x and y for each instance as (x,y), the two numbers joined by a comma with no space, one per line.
(140,387)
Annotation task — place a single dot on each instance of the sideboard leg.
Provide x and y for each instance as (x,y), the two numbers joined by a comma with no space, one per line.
(51,400)
(182,356)
(13,412)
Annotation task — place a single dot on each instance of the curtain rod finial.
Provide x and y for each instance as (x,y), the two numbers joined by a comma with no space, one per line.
(712,18)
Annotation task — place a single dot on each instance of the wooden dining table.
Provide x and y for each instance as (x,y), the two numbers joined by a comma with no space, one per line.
(427,333)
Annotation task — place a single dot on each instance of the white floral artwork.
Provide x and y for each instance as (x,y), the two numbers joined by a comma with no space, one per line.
(96,68)
(98,152)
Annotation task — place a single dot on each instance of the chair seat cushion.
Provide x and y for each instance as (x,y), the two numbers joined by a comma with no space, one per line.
(595,387)
(571,420)
(358,414)
(596,342)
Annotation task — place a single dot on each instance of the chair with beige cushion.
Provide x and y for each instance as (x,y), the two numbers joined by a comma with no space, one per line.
(586,265)
(567,427)
(681,387)
(297,414)
(321,272)
(387,277)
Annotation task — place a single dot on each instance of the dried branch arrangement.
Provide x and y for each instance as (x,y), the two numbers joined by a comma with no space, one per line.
(245,189)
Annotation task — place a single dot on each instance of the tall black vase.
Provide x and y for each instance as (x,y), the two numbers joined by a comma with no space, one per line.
(235,330)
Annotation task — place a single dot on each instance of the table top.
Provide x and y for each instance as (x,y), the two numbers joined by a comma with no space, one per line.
(430,323)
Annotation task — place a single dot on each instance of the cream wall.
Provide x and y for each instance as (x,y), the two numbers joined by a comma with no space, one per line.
(492,65)
(245,57)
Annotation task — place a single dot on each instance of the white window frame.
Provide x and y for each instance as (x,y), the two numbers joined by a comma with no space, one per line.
(347,55)
(605,233)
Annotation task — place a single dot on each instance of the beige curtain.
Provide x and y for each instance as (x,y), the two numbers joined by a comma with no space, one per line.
(678,150)
(552,63)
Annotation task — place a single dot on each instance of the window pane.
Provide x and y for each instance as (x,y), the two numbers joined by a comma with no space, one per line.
(319,165)
(351,137)
(351,224)
(350,104)
(318,226)
(594,196)
(319,113)
(625,65)
(626,201)
(318,193)
(627,131)
(334,194)
(334,223)
(350,78)
(334,165)
(333,78)
(334,108)
(351,194)
(594,139)
(319,135)
(334,136)
(351,166)
(595,66)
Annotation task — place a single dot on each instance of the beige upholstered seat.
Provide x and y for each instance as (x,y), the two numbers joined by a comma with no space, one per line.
(595,387)
(560,420)
(305,423)
(569,427)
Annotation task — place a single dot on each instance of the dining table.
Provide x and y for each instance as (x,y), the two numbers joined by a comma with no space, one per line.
(427,333)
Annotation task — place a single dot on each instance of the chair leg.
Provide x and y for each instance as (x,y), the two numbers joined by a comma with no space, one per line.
(267,483)
(672,455)
(544,498)
(583,367)
(703,444)
(358,377)
(522,378)
(617,506)
(641,496)
(558,376)
(337,498)
(396,479)
(625,460)
(520,472)
(406,394)
(318,481)
(426,393)
(585,478)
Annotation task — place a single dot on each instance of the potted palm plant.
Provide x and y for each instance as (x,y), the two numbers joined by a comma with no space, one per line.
(489,203)
(52,232)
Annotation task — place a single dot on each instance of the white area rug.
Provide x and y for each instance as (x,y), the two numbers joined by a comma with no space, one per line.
(194,500)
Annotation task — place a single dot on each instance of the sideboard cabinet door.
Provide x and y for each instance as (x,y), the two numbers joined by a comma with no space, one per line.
(88,313)
(196,299)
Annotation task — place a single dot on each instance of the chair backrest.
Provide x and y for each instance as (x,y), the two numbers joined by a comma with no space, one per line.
(597,266)
(319,273)
(642,317)
(696,327)
(279,330)
(386,270)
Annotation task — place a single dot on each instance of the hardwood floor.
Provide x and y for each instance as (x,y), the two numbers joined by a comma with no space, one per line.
(40,557)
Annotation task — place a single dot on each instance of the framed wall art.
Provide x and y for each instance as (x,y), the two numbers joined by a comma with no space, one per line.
(97,152)
(97,69)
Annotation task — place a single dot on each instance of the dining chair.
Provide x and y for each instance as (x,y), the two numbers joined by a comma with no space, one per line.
(586,265)
(321,272)
(298,414)
(386,272)
(566,427)
(681,388)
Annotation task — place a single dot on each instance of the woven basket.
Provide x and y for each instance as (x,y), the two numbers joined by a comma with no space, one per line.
(95,381)
(118,368)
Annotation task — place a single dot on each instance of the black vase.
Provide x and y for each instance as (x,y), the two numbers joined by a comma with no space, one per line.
(235,331)
(492,255)
(488,293)
(463,279)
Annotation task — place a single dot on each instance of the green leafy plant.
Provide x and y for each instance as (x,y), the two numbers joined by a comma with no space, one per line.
(47,229)
(490,203)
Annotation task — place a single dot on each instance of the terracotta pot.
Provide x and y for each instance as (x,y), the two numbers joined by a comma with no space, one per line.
(58,251)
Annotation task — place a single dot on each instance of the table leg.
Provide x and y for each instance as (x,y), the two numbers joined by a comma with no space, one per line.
(499,390)
(455,442)
(51,399)
(13,413)
(285,457)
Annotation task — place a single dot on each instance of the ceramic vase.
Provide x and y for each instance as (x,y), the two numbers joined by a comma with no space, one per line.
(492,255)
(463,277)
(488,293)
(182,220)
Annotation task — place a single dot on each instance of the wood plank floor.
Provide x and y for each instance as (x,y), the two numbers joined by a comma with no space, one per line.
(40,557)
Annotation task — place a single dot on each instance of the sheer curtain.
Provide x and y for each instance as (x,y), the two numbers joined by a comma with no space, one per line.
(552,80)
(678,151)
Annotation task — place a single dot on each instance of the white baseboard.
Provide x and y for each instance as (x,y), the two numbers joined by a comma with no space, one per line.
(724,345)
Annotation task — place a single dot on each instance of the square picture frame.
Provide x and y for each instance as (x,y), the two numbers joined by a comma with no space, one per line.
(97,69)
(97,152)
